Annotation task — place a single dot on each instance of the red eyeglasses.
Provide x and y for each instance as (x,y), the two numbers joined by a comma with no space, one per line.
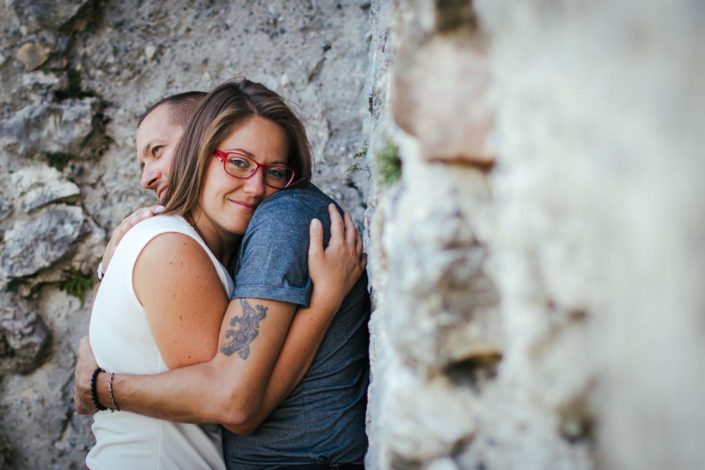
(240,165)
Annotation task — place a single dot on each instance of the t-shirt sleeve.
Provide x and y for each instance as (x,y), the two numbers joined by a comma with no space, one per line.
(273,257)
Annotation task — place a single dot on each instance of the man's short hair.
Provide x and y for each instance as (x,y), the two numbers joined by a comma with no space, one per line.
(181,107)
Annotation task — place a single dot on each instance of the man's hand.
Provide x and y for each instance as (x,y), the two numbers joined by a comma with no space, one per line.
(128,222)
(85,365)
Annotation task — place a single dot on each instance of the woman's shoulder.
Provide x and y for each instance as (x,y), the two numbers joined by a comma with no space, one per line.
(149,229)
(166,221)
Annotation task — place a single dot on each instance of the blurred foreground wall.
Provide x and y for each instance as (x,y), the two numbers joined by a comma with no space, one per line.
(538,232)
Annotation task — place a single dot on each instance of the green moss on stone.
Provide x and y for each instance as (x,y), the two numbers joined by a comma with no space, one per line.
(389,163)
(77,283)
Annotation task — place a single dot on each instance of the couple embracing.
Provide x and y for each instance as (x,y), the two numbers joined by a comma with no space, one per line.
(243,303)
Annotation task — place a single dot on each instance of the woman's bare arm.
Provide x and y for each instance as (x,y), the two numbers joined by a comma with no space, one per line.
(178,286)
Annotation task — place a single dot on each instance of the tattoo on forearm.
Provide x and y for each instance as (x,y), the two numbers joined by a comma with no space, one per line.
(244,330)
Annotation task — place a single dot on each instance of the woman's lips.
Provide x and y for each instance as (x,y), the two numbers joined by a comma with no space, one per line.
(245,205)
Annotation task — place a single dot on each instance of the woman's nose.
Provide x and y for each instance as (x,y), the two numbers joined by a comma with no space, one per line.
(255,183)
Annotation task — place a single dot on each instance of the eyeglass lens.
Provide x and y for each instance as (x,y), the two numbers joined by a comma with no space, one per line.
(240,166)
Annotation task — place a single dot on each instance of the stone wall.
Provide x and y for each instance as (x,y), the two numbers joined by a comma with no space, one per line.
(527,174)
(75,77)
(537,235)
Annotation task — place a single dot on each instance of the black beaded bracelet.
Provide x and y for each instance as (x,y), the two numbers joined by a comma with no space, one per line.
(94,392)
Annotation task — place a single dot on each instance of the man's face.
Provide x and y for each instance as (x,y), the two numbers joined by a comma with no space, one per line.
(157,137)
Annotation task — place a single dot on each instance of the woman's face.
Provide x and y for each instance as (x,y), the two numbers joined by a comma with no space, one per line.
(226,203)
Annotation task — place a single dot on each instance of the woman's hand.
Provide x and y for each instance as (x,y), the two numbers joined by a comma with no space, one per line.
(335,270)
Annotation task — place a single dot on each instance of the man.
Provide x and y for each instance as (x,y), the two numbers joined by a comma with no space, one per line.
(158,131)
(322,422)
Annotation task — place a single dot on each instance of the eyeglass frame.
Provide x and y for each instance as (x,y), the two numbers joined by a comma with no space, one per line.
(222,155)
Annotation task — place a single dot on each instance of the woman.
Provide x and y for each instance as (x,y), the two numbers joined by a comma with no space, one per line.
(161,304)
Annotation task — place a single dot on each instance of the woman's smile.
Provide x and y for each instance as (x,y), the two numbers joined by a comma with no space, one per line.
(249,206)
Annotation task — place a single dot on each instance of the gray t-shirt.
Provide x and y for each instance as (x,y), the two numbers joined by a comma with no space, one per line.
(323,420)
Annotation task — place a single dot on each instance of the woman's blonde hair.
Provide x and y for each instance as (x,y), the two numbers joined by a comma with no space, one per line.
(221,110)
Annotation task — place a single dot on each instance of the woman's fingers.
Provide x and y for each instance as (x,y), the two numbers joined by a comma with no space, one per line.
(345,239)
(315,233)
(352,236)
(337,226)
(350,230)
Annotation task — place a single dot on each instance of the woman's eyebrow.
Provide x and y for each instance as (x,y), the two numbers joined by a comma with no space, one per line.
(249,154)
(252,156)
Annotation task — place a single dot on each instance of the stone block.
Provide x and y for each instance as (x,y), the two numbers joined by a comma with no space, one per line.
(444,463)
(49,127)
(5,207)
(432,419)
(33,55)
(440,95)
(23,336)
(51,14)
(442,302)
(35,186)
(443,311)
(37,241)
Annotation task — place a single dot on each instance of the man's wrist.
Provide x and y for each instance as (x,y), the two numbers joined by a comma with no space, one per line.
(94,389)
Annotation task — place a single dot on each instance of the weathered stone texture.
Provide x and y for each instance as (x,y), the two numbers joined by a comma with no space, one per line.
(75,77)
(534,224)
(33,55)
(37,241)
(62,127)
(47,14)
(440,280)
(440,96)
(35,186)
(579,342)
(23,336)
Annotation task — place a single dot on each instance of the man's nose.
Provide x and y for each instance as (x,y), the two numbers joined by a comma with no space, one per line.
(150,177)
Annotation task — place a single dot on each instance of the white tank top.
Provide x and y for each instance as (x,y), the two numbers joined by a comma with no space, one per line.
(122,342)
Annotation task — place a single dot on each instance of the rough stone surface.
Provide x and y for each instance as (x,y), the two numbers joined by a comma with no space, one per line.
(431,431)
(35,186)
(48,15)
(37,241)
(62,127)
(543,311)
(23,336)
(580,339)
(33,55)
(75,77)
(5,208)
(440,96)
(41,402)
(449,299)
